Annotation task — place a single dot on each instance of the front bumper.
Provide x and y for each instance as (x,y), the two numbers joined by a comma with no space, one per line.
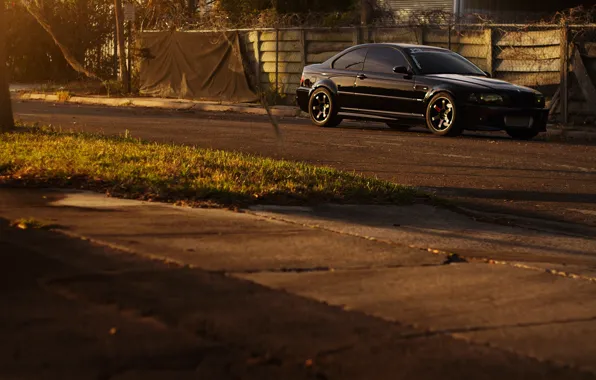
(480,117)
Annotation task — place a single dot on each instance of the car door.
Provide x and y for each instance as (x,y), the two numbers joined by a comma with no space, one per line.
(343,74)
(380,90)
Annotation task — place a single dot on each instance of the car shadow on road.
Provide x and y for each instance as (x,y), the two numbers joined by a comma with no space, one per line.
(542,138)
(516,195)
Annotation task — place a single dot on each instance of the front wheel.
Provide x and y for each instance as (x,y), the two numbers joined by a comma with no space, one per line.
(323,109)
(441,116)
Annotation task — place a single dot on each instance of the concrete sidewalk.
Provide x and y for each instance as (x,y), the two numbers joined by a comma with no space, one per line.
(525,293)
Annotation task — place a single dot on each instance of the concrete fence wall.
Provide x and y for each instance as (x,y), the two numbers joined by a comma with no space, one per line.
(530,58)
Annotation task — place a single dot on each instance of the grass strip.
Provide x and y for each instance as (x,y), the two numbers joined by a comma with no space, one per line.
(135,169)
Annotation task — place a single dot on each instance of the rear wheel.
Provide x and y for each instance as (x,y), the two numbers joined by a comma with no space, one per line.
(441,116)
(323,109)
(523,134)
(397,126)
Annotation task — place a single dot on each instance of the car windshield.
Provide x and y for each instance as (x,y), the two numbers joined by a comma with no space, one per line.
(443,62)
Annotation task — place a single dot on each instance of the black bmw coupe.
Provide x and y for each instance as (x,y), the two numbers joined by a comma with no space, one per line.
(404,85)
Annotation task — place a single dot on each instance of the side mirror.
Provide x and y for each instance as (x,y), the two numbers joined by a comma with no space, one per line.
(401,70)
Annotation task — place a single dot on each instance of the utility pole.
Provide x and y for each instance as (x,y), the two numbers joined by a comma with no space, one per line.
(6,118)
(363,12)
(124,78)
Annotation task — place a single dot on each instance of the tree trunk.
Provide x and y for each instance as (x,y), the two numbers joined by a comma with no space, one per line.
(192,7)
(121,43)
(6,119)
(365,12)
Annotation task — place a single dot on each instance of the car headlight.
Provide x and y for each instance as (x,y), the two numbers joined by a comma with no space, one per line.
(486,98)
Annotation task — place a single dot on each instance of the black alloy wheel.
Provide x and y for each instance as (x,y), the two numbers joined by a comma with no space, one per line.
(441,116)
(322,109)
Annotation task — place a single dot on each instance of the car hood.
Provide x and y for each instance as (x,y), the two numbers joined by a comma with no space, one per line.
(477,81)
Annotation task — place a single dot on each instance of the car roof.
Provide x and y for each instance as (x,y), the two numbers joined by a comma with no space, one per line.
(403,46)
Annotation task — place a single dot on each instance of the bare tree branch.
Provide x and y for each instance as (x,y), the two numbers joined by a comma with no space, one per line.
(34,8)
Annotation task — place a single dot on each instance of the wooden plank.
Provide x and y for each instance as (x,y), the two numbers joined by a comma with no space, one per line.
(583,78)
(401,35)
(528,53)
(527,66)
(590,49)
(322,47)
(283,46)
(533,38)
(470,38)
(303,47)
(269,67)
(320,57)
(284,56)
(480,62)
(530,79)
(284,35)
(468,51)
(288,89)
(283,78)
(330,36)
(253,36)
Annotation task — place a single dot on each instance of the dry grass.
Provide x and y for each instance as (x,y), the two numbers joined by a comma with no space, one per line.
(135,169)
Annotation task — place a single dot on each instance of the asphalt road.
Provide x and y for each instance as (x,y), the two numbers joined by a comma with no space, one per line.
(548,180)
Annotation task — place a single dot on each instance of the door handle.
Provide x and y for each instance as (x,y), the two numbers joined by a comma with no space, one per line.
(361,76)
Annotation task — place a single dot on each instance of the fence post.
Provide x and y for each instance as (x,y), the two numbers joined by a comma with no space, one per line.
(449,35)
(303,48)
(276,60)
(356,36)
(564,72)
(489,53)
(365,37)
(257,48)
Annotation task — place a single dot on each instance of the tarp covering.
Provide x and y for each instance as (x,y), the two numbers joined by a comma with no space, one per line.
(193,65)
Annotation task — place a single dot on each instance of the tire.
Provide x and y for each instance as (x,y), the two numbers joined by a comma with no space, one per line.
(398,127)
(523,134)
(322,109)
(441,116)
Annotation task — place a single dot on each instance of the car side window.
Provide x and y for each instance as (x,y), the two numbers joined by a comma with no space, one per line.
(383,60)
(353,60)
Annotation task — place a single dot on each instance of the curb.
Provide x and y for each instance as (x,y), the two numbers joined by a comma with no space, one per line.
(171,104)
